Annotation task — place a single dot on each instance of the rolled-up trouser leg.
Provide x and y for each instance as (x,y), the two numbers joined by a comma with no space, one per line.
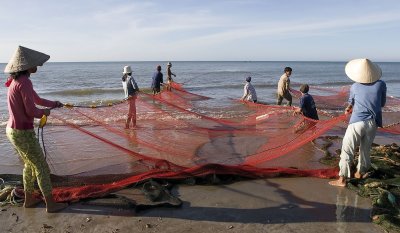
(279,100)
(349,144)
(36,167)
(132,109)
(288,96)
(29,177)
(369,132)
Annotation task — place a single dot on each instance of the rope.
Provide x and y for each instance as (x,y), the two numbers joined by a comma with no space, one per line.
(393,124)
(70,105)
(40,134)
(40,137)
(10,193)
(2,183)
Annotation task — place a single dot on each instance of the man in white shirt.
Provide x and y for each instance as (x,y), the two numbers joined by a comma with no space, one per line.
(249,92)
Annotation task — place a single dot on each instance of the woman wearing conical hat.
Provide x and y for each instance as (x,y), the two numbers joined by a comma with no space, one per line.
(367,97)
(22,100)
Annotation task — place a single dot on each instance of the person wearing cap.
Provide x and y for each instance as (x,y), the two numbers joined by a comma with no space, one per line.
(367,97)
(169,76)
(157,80)
(284,87)
(307,105)
(131,90)
(22,100)
(249,92)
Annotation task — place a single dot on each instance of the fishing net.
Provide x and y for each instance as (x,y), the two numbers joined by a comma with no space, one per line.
(180,135)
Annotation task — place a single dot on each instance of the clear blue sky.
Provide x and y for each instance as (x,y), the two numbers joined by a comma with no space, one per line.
(143,30)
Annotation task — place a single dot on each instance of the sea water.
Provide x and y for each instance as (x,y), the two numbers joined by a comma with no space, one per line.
(96,82)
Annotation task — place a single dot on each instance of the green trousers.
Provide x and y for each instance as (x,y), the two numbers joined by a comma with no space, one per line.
(35,165)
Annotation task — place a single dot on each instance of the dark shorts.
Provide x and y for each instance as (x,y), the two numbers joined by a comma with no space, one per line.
(156,89)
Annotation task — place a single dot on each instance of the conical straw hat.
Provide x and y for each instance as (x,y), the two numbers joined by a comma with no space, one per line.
(363,71)
(25,58)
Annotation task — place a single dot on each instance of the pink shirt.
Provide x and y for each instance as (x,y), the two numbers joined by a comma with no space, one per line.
(21,99)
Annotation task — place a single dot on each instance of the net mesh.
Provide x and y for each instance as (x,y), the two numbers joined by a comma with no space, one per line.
(179,136)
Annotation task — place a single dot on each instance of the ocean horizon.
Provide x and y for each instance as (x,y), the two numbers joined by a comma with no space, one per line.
(93,82)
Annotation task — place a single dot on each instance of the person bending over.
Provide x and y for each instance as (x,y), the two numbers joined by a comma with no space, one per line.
(307,105)
(249,92)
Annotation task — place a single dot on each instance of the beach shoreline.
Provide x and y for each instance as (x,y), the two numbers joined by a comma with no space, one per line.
(276,205)
(273,205)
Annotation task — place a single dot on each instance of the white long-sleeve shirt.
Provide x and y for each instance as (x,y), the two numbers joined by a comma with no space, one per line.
(249,92)
(133,84)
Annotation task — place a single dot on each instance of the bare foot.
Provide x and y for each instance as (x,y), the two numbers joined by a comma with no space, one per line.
(55,207)
(338,183)
(31,201)
(360,175)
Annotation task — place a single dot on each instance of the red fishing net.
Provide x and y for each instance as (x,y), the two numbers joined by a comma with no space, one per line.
(178,135)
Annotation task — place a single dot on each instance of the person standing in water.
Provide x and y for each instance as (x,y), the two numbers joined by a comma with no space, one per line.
(131,90)
(157,81)
(169,76)
(249,92)
(284,87)
(367,97)
(22,100)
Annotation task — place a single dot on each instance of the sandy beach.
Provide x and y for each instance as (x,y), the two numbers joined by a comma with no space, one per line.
(266,205)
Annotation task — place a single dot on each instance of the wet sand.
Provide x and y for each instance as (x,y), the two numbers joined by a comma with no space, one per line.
(266,205)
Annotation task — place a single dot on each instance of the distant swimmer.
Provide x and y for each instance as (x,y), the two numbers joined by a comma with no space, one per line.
(367,97)
(131,90)
(249,92)
(157,81)
(284,87)
(169,76)
(22,100)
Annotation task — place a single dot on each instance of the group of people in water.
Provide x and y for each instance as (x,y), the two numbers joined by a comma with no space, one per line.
(307,105)
(131,89)
(366,99)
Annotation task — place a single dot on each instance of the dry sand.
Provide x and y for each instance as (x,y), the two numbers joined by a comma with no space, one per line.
(267,205)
